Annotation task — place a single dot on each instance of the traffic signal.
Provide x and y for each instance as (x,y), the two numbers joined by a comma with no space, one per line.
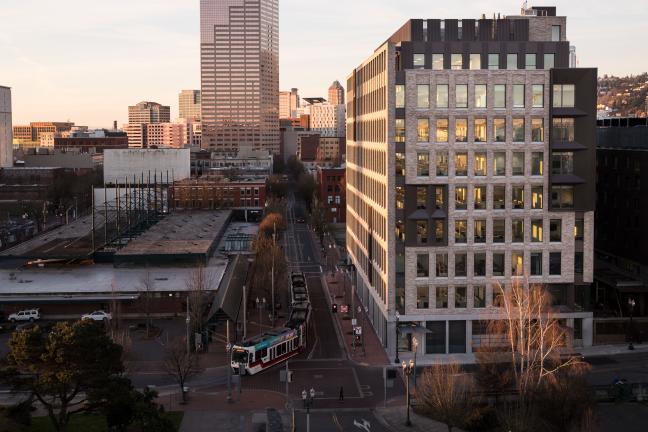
(334,308)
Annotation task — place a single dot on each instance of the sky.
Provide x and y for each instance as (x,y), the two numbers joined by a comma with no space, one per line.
(87,60)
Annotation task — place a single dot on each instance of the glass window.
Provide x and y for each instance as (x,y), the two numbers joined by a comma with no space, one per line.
(475,61)
(578,262)
(442,130)
(461,265)
(536,231)
(439,231)
(423,127)
(438,197)
(517,230)
(555,230)
(441,164)
(400,96)
(493,61)
(511,61)
(480,164)
(399,130)
(530,61)
(422,265)
(518,95)
(461,164)
(517,164)
(400,197)
(437,61)
(479,296)
(461,198)
(537,161)
(435,339)
(537,130)
(517,263)
(422,297)
(442,95)
(461,93)
(480,130)
(562,163)
(480,95)
(422,164)
(499,231)
(421,197)
(536,197)
(400,235)
(499,130)
(456,61)
(480,264)
(517,197)
(419,61)
(400,164)
(579,229)
(499,163)
(518,130)
(555,263)
(555,33)
(461,130)
(499,100)
(461,231)
(499,197)
(441,297)
(549,61)
(460,297)
(537,99)
(422,96)
(563,129)
(421,232)
(536,263)
(562,196)
(480,231)
(564,95)
(442,265)
(479,197)
(498,264)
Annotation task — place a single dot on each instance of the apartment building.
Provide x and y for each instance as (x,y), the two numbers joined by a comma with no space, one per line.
(470,164)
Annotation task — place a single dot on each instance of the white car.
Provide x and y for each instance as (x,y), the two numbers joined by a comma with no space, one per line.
(30,315)
(97,316)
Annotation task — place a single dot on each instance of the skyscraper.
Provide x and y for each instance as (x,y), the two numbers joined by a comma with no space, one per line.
(239,55)
(189,105)
(6,140)
(336,94)
(470,165)
(288,103)
(139,116)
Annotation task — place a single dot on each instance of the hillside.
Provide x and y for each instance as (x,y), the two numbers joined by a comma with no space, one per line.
(623,96)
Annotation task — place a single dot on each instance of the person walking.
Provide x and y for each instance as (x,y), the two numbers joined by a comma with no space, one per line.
(341,398)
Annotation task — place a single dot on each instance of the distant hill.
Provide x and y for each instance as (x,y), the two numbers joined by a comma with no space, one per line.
(623,96)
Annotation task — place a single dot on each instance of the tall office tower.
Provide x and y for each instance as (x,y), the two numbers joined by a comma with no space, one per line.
(6,139)
(470,165)
(328,120)
(141,115)
(288,103)
(189,105)
(239,56)
(336,94)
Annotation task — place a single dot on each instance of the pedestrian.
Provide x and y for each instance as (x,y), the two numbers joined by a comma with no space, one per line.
(341,398)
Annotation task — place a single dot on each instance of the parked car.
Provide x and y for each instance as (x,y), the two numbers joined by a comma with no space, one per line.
(97,316)
(30,315)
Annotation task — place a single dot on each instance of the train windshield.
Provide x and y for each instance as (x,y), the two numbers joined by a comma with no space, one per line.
(240,356)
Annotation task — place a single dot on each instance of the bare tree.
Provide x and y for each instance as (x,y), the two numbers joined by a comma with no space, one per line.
(180,364)
(445,393)
(147,286)
(199,283)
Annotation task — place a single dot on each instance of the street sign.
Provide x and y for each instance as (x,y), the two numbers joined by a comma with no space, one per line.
(354,322)
(228,347)
(344,308)
(357,330)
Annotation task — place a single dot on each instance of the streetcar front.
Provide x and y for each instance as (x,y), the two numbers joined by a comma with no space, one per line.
(240,360)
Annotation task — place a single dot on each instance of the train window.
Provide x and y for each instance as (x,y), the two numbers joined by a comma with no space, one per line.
(264,353)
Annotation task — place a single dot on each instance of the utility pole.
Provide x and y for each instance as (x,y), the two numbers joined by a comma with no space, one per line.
(229,365)
(274,236)
(188,321)
(244,313)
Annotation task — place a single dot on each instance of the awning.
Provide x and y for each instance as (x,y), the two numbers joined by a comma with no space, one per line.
(419,214)
(411,328)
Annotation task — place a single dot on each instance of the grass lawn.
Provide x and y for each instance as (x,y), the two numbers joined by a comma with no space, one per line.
(90,423)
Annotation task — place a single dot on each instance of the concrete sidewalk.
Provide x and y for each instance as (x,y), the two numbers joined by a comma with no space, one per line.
(395,417)
(607,350)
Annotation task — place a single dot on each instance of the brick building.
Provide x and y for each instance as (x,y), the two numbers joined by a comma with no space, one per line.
(332,192)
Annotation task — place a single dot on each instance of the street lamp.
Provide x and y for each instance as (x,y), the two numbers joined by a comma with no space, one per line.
(260,305)
(631,305)
(415,344)
(397,360)
(407,370)
(307,398)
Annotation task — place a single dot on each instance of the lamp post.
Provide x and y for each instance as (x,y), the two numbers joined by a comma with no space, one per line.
(274,245)
(415,344)
(397,360)
(260,305)
(307,398)
(631,305)
(407,370)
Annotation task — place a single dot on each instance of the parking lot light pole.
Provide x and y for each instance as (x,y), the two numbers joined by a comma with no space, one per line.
(415,344)
(631,305)
(188,321)
(307,398)
(407,371)
(397,360)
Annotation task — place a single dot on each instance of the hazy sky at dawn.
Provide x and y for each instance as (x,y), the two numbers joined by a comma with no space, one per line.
(87,60)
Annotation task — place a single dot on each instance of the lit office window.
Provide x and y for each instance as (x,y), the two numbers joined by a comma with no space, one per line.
(537,197)
(461,93)
(437,61)
(461,130)
(511,61)
(422,96)
(461,164)
(537,130)
(536,231)
(419,61)
(480,130)
(518,130)
(422,164)
(475,61)
(400,96)
(480,96)
(564,95)
(456,61)
(423,128)
(442,130)
(480,164)
(537,162)
(441,164)
(499,130)
(442,96)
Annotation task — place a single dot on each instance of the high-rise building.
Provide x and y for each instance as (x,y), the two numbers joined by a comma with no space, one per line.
(166,135)
(239,55)
(470,165)
(141,115)
(328,120)
(6,139)
(288,103)
(336,94)
(189,105)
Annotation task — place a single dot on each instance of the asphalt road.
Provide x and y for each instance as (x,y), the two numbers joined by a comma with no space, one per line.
(342,421)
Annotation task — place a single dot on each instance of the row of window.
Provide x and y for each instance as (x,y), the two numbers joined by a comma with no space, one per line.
(475,61)
(480,161)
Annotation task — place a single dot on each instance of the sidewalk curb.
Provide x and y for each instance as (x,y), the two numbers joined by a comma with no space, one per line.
(336,324)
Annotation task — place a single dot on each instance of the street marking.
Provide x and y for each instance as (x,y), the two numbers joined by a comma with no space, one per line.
(357,380)
(364,425)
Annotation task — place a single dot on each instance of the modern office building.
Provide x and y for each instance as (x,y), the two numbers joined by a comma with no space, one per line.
(166,135)
(470,164)
(139,117)
(38,133)
(336,94)
(328,120)
(189,105)
(6,131)
(288,103)
(239,56)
